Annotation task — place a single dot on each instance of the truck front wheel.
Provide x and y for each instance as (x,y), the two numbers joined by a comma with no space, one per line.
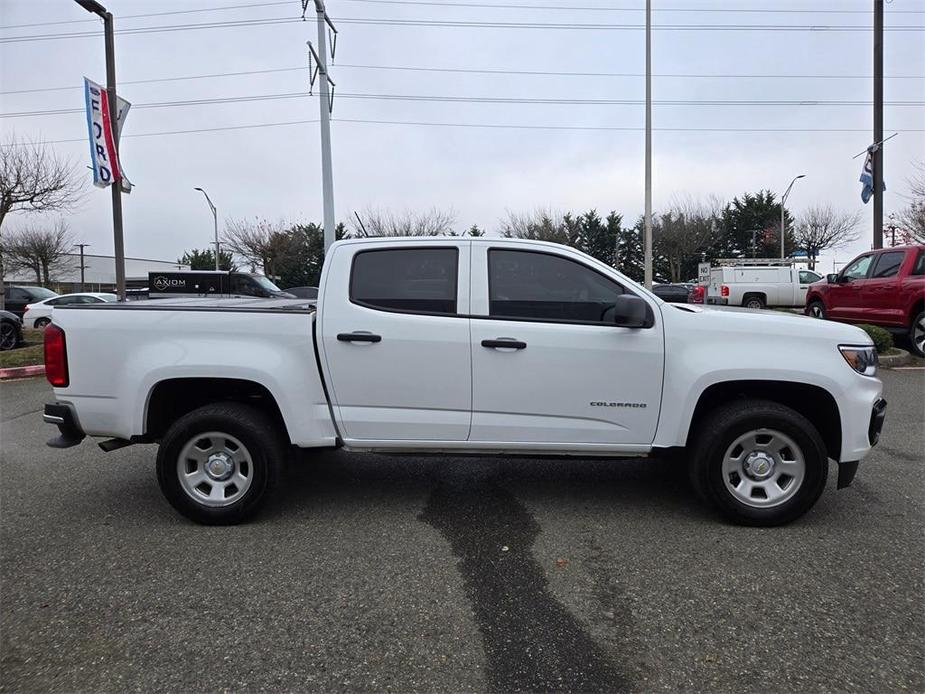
(217,464)
(917,334)
(759,462)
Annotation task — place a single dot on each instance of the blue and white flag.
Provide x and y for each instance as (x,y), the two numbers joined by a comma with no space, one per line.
(867,177)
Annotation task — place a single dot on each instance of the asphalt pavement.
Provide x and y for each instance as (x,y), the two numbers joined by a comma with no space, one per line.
(394,573)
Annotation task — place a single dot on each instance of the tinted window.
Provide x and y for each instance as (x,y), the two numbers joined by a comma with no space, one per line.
(858,269)
(888,264)
(39,293)
(808,277)
(919,267)
(421,280)
(15,294)
(541,286)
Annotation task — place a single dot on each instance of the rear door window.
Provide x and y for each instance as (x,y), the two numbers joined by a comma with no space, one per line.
(411,280)
(888,264)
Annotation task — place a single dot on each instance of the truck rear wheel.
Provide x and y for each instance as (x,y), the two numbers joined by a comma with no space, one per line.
(217,464)
(753,301)
(760,463)
(917,334)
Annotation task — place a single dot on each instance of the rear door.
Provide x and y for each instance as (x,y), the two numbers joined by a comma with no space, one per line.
(570,375)
(394,336)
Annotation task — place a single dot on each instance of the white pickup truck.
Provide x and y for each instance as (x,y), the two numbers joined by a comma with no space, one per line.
(459,346)
(760,286)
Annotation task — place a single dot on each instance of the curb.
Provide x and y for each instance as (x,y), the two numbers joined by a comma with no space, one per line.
(21,372)
(892,360)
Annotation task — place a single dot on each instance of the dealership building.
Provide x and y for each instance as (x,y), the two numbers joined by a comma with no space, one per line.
(99,273)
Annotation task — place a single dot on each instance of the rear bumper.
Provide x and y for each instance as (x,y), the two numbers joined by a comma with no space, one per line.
(64,417)
(717,300)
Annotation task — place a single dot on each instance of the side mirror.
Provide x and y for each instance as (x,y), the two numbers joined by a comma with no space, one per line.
(630,311)
(832,277)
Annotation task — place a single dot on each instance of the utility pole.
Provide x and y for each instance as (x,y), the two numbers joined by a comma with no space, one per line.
(83,267)
(648,211)
(118,242)
(877,156)
(783,199)
(215,221)
(325,105)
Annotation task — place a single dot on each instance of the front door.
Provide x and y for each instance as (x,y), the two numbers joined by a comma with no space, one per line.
(845,295)
(396,342)
(880,290)
(569,376)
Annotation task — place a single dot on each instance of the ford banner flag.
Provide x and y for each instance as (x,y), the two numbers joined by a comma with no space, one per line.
(867,177)
(104,138)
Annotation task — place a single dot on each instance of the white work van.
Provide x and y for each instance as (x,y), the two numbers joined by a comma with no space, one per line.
(759,286)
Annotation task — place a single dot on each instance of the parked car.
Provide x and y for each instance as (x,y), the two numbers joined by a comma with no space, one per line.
(38,315)
(303,292)
(759,286)
(884,287)
(17,298)
(672,293)
(497,346)
(10,330)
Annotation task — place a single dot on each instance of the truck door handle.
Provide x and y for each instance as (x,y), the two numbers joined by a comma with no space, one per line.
(504,342)
(358,337)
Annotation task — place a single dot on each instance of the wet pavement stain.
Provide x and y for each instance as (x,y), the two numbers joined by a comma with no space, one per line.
(532,643)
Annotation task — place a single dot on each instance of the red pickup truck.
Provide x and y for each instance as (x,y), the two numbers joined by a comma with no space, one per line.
(885,287)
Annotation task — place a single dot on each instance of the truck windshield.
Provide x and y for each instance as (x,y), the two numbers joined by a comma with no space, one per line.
(265,283)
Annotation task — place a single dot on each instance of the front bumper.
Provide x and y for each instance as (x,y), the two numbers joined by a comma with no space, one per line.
(63,416)
(848,469)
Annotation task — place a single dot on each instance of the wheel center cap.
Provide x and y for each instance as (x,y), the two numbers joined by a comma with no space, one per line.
(758,465)
(219,466)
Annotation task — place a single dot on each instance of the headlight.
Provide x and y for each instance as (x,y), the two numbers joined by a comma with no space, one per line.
(861,359)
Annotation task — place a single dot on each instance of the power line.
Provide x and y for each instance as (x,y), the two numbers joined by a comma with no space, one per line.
(470,25)
(576,8)
(438,98)
(474,71)
(572,8)
(503,126)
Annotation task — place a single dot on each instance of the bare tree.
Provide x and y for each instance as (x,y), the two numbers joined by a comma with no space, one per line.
(34,179)
(433,222)
(912,218)
(820,228)
(542,225)
(686,231)
(41,250)
(259,242)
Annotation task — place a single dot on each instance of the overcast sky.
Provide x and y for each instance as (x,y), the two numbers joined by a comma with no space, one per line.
(274,172)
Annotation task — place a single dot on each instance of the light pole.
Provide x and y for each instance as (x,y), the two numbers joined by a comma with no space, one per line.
(83,267)
(783,199)
(215,220)
(647,218)
(118,243)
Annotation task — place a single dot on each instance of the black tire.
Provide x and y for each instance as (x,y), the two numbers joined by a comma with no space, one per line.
(263,443)
(753,301)
(720,430)
(9,335)
(816,309)
(41,323)
(917,335)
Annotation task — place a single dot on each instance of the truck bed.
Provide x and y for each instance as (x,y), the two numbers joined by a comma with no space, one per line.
(243,303)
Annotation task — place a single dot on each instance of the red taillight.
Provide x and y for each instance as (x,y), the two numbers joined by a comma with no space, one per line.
(55,356)
(724,290)
(696,295)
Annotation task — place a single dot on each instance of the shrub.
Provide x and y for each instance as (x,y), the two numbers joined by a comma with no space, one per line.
(883,340)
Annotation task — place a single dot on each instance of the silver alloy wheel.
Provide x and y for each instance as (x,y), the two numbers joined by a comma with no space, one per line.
(918,334)
(41,323)
(763,468)
(753,303)
(7,336)
(816,311)
(215,469)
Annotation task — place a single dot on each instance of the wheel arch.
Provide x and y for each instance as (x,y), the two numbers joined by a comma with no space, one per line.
(171,398)
(813,402)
